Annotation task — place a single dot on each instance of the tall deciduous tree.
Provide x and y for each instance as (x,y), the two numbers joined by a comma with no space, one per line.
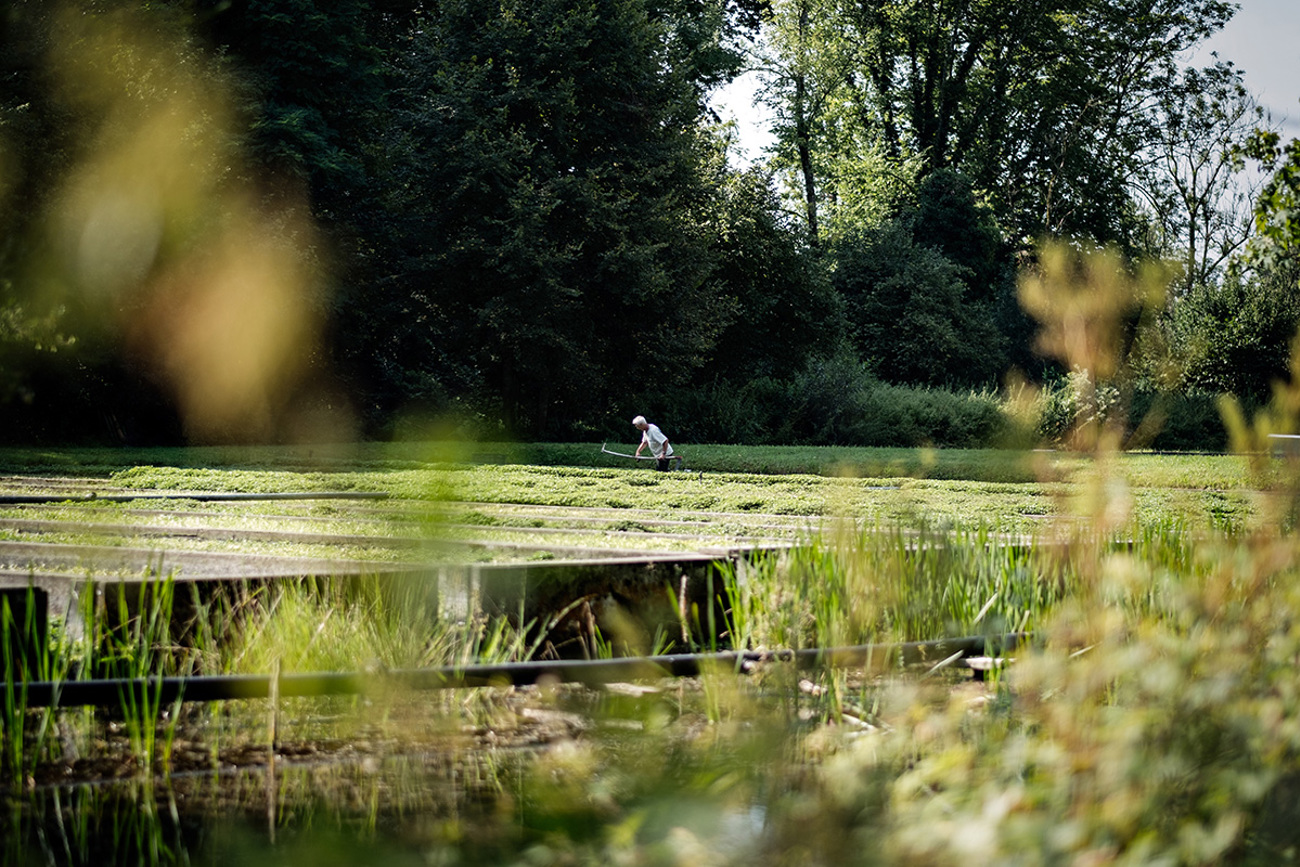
(807,67)
(1200,202)
(1044,104)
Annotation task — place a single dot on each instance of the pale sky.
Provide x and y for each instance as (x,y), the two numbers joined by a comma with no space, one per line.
(1262,39)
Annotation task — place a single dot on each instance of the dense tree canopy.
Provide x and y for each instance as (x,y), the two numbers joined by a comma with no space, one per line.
(1236,338)
(529,217)
(783,307)
(1045,105)
(553,204)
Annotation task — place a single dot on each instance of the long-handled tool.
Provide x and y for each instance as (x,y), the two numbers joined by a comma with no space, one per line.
(637,457)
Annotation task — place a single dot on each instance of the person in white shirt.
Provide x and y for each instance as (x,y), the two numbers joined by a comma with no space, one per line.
(654,438)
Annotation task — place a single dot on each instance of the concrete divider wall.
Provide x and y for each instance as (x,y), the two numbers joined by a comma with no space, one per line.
(630,600)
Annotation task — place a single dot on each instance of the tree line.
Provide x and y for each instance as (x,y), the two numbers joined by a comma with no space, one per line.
(524,214)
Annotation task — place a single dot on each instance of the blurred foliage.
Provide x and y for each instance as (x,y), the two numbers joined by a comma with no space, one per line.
(148,236)
(1098,318)
(1151,719)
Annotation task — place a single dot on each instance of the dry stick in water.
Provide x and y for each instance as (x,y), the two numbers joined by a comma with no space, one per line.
(681,609)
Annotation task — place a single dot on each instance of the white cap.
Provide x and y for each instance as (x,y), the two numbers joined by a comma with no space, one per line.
(638,421)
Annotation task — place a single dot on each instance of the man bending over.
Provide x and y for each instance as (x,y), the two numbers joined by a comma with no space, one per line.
(654,438)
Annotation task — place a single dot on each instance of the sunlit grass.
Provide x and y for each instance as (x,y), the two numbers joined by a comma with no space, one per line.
(1014,507)
(992,465)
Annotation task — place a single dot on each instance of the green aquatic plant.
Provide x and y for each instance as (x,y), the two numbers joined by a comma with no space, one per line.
(31,649)
(863,585)
(15,635)
(136,639)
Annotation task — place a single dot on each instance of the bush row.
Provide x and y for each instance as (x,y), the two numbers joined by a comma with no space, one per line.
(841,403)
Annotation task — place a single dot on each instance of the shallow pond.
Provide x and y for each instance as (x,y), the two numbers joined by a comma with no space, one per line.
(572,776)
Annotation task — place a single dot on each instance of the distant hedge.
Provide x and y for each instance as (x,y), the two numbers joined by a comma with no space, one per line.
(838,403)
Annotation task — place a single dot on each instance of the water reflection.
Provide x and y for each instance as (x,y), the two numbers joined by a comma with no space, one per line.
(569,802)
(318,814)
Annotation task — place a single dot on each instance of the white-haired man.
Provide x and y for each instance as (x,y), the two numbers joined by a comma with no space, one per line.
(651,436)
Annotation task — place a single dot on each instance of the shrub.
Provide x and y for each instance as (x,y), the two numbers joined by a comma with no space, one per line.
(1181,422)
(838,401)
